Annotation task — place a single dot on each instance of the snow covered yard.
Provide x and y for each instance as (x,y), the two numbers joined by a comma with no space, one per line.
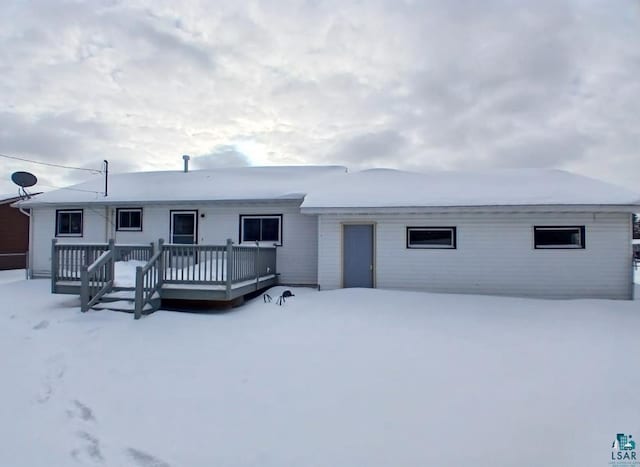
(342,378)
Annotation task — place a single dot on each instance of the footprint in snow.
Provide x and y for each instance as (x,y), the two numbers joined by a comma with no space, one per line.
(81,411)
(45,393)
(145,460)
(55,371)
(90,450)
(42,325)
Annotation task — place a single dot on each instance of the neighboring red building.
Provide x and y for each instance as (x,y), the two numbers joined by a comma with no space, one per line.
(14,235)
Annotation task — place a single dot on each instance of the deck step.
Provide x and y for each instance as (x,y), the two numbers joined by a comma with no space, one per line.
(121,305)
(120,295)
(124,295)
(118,305)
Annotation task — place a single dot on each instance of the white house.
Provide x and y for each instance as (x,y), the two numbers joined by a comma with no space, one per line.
(536,233)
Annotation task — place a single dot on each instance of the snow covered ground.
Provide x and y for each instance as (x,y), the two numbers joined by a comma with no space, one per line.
(342,378)
(12,275)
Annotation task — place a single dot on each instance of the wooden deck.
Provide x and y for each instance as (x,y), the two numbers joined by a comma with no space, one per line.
(189,291)
(176,272)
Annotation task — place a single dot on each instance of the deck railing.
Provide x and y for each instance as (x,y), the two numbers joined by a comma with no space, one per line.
(149,279)
(216,264)
(134,252)
(68,259)
(96,280)
(250,262)
(194,264)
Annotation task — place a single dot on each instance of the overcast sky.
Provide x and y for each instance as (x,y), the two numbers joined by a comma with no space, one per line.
(415,85)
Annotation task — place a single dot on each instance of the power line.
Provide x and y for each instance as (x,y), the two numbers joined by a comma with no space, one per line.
(72,189)
(95,171)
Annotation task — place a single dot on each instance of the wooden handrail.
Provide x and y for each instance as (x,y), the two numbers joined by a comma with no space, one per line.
(103,258)
(149,279)
(96,280)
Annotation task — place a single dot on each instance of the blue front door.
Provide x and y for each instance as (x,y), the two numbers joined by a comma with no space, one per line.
(357,257)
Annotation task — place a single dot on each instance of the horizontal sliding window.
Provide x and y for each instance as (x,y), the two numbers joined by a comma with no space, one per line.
(431,237)
(129,219)
(559,237)
(69,223)
(266,229)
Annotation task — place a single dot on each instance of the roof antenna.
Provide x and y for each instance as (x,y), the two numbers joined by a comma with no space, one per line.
(186,158)
(23,180)
(106,177)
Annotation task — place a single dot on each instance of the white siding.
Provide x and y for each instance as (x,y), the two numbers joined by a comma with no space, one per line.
(297,257)
(494,255)
(44,230)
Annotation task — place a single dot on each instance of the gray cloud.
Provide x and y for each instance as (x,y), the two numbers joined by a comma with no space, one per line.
(51,137)
(413,85)
(543,150)
(162,42)
(368,150)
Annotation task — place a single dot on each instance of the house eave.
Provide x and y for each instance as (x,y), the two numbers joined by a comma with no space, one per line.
(532,208)
(122,203)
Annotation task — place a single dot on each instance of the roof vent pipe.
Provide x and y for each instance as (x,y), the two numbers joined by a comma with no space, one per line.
(186,163)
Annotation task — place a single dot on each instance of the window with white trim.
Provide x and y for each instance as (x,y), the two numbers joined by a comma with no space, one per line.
(129,219)
(262,228)
(431,237)
(69,223)
(559,237)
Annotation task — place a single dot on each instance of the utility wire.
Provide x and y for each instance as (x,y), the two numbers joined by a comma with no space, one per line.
(94,171)
(72,189)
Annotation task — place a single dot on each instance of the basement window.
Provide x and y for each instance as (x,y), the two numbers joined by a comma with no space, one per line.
(129,219)
(559,237)
(431,237)
(267,229)
(69,223)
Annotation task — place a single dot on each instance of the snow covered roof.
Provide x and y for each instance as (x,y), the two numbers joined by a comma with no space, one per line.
(530,187)
(327,187)
(227,184)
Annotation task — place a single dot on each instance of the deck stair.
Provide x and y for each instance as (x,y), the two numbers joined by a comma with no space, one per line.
(123,299)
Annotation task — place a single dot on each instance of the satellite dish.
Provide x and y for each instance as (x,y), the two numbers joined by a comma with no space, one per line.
(24,179)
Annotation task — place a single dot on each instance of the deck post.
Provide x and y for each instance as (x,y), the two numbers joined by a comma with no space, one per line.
(84,288)
(54,265)
(111,273)
(111,246)
(257,264)
(275,260)
(161,262)
(138,296)
(153,250)
(229,271)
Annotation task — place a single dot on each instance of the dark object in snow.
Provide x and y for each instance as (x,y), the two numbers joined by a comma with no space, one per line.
(285,294)
(281,299)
